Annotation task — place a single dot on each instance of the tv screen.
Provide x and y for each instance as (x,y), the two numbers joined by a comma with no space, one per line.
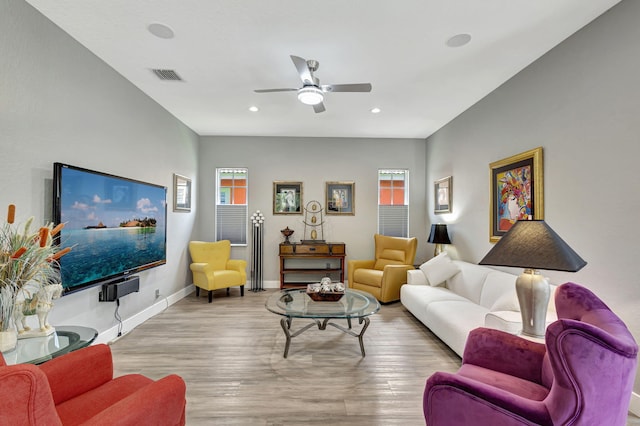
(115,226)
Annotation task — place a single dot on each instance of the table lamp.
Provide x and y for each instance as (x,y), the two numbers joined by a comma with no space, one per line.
(438,236)
(532,244)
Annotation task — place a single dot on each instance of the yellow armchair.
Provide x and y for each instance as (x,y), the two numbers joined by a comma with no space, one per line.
(384,275)
(212,269)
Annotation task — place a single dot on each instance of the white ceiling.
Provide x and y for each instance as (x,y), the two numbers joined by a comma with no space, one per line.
(224,49)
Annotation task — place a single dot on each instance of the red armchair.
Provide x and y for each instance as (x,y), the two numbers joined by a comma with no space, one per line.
(79,389)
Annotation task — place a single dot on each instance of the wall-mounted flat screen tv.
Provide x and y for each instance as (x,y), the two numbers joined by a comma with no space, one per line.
(115,226)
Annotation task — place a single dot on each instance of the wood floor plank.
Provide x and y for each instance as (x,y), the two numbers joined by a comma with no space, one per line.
(230,352)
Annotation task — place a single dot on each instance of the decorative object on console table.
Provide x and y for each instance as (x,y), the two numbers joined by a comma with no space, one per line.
(287,197)
(257,254)
(532,244)
(516,191)
(26,257)
(443,195)
(181,193)
(314,221)
(438,236)
(340,198)
(304,263)
(287,233)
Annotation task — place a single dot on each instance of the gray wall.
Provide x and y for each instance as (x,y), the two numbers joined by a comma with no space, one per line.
(313,161)
(581,103)
(58,102)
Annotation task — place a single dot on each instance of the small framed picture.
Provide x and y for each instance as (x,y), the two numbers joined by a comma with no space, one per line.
(340,198)
(181,193)
(443,195)
(287,197)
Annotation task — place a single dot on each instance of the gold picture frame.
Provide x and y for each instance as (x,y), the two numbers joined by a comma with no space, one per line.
(517,191)
(340,198)
(181,193)
(287,197)
(443,195)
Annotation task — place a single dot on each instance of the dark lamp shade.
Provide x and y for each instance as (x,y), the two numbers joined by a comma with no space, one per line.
(439,234)
(532,244)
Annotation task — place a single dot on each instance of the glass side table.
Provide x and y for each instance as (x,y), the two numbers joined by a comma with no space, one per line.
(36,350)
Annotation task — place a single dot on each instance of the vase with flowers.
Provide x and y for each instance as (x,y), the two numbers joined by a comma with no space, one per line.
(26,257)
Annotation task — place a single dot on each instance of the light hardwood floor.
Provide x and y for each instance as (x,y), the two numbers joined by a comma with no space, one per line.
(229,353)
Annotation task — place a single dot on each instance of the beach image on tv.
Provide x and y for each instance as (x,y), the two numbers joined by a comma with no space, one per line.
(114,225)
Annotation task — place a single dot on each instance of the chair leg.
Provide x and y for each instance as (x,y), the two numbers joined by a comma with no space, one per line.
(228,291)
(197,291)
(210,295)
(241,290)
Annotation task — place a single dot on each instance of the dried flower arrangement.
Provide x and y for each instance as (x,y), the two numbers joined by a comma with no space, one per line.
(26,256)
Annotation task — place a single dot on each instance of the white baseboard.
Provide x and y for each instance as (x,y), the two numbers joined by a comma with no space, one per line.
(111,335)
(634,407)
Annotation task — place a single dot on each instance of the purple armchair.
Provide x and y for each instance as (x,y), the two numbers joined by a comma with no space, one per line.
(583,375)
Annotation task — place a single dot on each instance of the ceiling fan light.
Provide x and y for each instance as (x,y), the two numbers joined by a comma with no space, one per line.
(310,95)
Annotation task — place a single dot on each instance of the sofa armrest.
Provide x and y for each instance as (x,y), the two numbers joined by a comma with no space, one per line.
(78,372)
(416,277)
(237,265)
(352,265)
(199,267)
(161,402)
(500,351)
(448,393)
(395,274)
(25,397)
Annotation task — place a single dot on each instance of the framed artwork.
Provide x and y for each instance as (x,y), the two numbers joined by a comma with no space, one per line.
(443,195)
(340,198)
(287,197)
(516,191)
(181,193)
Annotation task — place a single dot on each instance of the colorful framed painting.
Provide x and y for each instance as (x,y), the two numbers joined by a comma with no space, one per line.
(516,191)
(340,198)
(443,195)
(287,197)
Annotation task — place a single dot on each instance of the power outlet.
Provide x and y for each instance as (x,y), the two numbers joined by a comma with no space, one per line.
(157,293)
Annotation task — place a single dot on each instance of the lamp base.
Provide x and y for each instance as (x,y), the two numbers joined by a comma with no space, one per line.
(438,250)
(533,295)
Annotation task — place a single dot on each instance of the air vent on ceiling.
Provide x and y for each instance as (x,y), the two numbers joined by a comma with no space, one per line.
(167,75)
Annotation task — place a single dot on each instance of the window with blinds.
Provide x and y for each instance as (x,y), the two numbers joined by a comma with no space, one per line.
(393,202)
(231,205)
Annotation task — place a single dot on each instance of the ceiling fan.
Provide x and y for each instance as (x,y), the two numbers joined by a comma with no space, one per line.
(312,92)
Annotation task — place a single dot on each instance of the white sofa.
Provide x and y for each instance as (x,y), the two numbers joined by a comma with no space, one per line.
(452,297)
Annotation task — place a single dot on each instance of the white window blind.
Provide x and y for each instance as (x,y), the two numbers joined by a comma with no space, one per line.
(231,223)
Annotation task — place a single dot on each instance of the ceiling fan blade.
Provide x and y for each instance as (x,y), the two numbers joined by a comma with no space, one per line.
(274,90)
(303,69)
(319,108)
(358,87)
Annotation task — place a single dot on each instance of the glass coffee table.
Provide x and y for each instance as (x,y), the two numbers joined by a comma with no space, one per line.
(36,350)
(295,303)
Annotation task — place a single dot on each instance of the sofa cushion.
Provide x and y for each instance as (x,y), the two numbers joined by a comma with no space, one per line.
(452,321)
(506,302)
(370,277)
(418,297)
(469,281)
(499,289)
(439,269)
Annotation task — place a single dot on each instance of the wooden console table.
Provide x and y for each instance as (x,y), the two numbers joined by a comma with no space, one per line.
(304,263)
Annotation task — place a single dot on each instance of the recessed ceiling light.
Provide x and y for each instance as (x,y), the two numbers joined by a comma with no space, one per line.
(254,108)
(160,30)
(375,110)
(459,40)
